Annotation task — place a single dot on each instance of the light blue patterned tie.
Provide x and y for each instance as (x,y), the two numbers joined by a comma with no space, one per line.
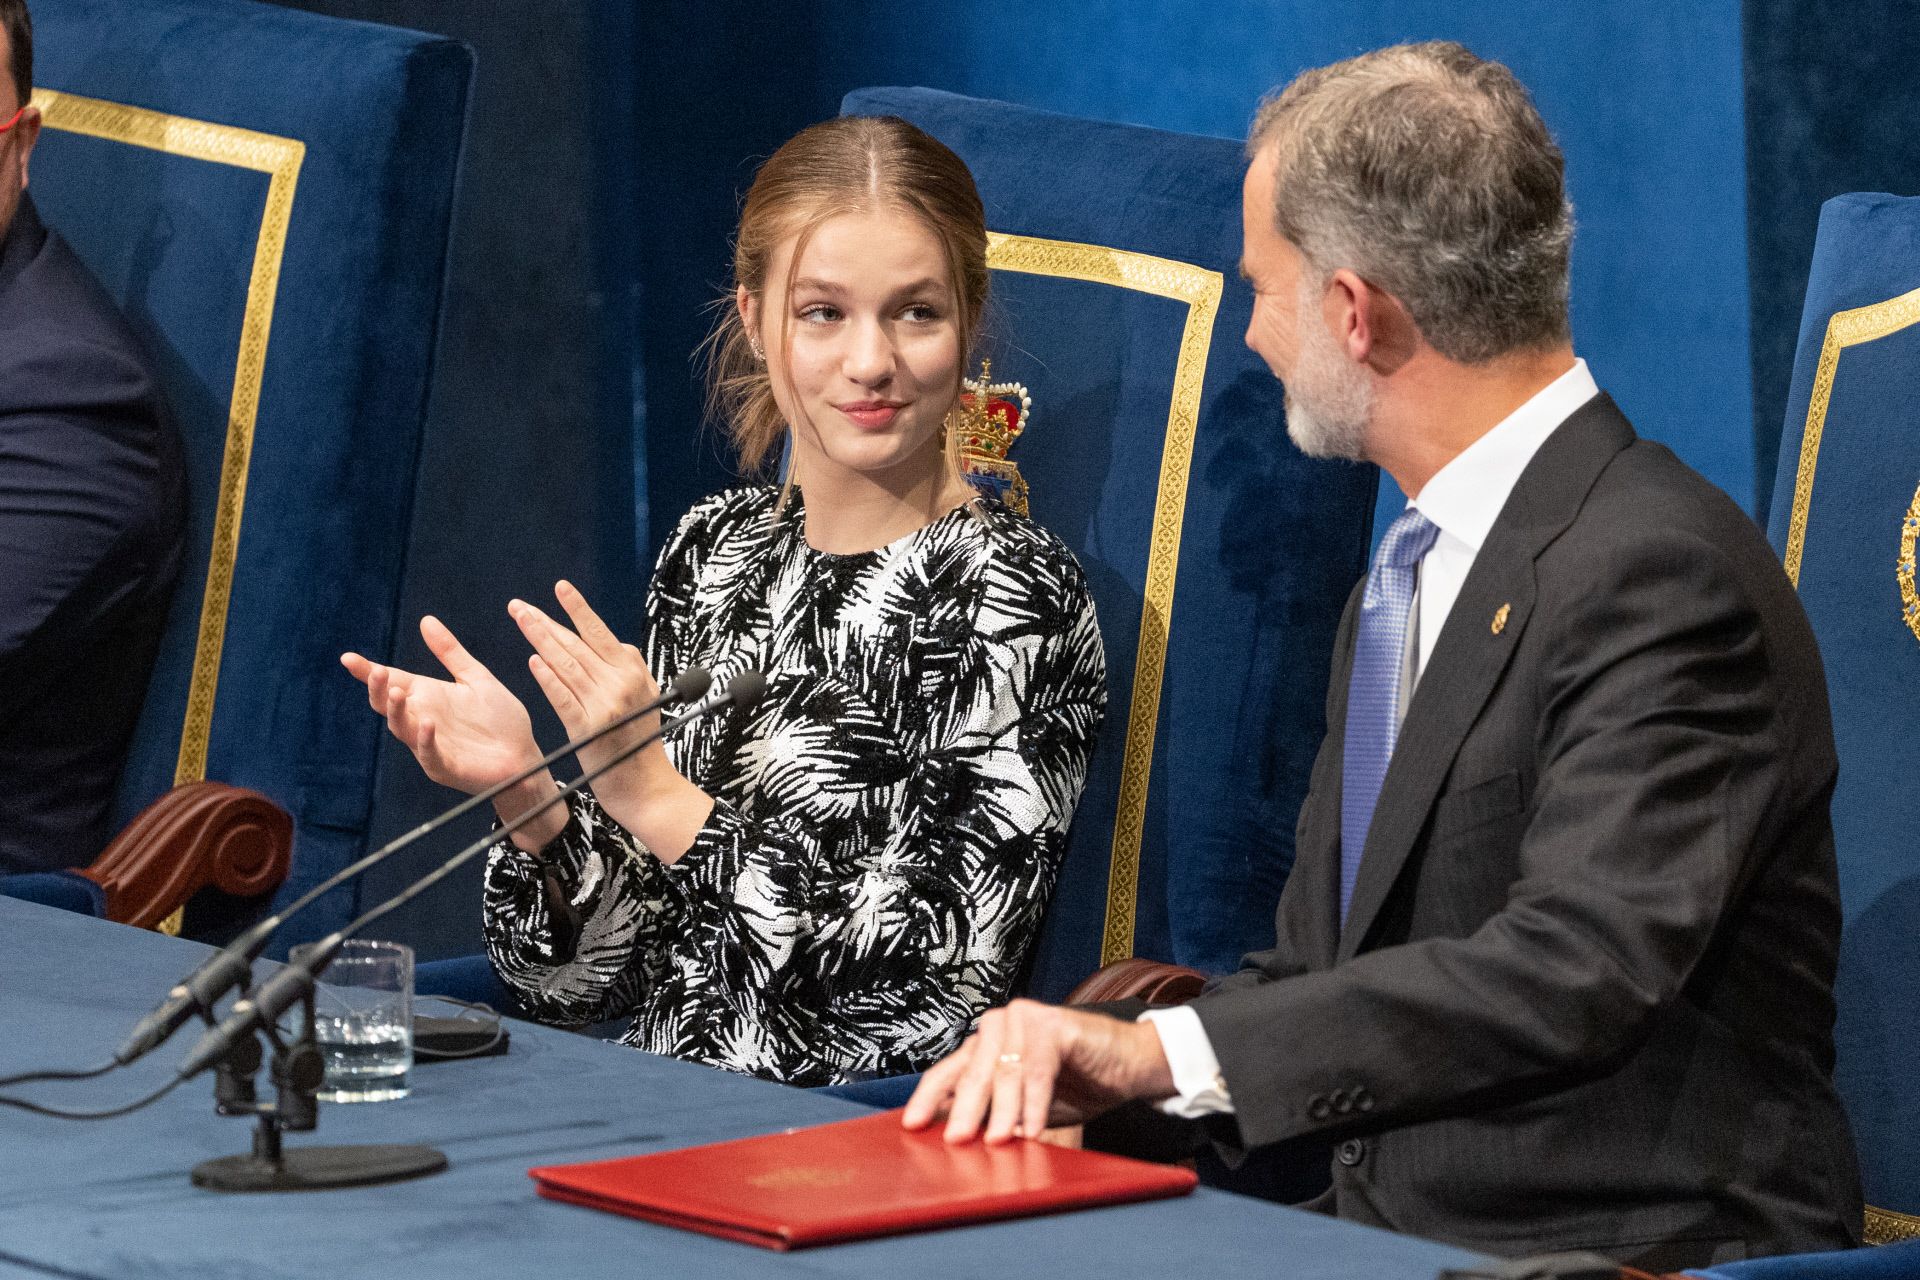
(1373,688)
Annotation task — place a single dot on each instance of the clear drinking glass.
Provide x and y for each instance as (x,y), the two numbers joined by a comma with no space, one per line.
(363,1020)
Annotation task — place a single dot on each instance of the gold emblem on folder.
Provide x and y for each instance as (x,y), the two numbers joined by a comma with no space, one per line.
(1500,618)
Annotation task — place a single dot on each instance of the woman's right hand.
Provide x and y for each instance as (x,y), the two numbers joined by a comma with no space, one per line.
(467,733)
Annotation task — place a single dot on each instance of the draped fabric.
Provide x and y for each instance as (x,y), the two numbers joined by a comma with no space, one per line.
(888,821)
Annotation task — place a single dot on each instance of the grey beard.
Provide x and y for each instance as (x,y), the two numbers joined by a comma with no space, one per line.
(1329,402)
(1338,434)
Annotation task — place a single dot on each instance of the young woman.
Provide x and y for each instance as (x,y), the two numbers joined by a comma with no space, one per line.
(836,883)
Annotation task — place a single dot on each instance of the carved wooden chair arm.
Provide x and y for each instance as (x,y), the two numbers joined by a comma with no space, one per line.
(198,834)
(1137,978)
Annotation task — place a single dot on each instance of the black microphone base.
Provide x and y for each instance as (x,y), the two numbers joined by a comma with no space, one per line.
(318,1168)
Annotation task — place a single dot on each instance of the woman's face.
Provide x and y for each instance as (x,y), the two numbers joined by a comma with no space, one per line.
(865,351)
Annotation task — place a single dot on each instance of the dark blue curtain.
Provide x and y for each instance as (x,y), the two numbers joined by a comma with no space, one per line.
(527,471)
(1833,90)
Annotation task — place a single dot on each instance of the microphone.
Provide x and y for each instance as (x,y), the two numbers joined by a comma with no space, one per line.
(220,973)
(280,992)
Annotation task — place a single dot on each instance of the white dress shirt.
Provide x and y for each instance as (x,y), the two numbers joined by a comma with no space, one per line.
(1463,499)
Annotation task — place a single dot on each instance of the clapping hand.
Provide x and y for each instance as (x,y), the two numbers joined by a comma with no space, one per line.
(591,677)
(468,732)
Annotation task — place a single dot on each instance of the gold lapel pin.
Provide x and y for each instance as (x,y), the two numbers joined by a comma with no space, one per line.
(1500,618)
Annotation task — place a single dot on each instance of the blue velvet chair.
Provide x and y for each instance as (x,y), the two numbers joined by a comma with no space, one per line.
(1845,519)
(1219,556)
(268,195)
(1899,1261)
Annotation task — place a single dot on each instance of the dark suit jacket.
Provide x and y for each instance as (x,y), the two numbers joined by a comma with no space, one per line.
(92,523)
(1584,995)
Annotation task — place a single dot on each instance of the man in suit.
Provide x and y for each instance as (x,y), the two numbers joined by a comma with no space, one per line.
(1554,967)
(92,507)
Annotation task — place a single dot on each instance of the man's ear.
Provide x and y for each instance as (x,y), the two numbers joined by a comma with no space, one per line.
(28,131)
(1372,326)
(1348,309)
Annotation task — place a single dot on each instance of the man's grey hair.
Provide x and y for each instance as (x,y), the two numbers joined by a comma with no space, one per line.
(1428,171)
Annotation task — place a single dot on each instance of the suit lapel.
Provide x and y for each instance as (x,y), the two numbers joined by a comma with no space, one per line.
(1471,655)
(1316,861)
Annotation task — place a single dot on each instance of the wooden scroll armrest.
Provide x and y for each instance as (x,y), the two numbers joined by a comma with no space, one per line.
(1135,978)
(198,834)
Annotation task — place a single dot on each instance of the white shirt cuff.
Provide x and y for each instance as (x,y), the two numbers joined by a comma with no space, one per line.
(1196,1071)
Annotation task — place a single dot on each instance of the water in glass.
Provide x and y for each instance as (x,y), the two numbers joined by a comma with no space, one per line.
(363,1022)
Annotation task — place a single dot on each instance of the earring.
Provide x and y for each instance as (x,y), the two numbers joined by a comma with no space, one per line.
(758,354)
(972,407)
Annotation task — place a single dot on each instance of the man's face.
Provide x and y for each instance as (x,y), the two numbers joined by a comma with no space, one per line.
(16,144)
(1329,396)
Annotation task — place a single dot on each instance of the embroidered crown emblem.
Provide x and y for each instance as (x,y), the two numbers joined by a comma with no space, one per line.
(992,416)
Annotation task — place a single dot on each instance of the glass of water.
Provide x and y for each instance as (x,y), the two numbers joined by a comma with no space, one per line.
(363,1020)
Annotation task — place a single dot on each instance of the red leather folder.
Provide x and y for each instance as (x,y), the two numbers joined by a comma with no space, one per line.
(851,1180)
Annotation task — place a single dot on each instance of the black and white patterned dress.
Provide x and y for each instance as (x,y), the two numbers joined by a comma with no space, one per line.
(887,822)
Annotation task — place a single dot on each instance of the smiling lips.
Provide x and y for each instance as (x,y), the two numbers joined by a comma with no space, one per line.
(871,415)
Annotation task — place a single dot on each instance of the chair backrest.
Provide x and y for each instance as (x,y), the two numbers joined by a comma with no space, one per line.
(1219,556)
(267,193)
(1846,515)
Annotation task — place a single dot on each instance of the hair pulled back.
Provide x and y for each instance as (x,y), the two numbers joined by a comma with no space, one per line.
(852,164)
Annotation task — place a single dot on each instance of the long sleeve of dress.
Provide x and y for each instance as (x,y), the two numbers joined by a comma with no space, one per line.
(574,932)
(886,829)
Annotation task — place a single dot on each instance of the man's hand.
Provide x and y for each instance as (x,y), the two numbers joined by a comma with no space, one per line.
(1030,1066)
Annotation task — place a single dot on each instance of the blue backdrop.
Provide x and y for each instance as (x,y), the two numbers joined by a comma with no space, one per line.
(1832,92)
(1645,97)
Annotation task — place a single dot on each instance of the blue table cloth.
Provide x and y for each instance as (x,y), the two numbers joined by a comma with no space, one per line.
(112,1198)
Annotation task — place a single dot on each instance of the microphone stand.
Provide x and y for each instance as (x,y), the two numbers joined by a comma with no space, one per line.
(298,1068)
(232,965)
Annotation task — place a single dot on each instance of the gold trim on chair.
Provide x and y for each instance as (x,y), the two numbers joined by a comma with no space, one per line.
(1845,329)
(1885,1226)
(1200,289)
(280,159)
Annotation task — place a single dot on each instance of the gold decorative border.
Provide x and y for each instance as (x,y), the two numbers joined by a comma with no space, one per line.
(1886,1226)
(1903,567)
(1845,329)
(1200,289)
(279,158)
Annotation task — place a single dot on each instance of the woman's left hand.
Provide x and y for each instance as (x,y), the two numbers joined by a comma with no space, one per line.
(591,678)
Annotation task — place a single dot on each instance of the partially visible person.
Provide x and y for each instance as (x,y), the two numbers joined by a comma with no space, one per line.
(836,884)
(92,516)
(1554,968)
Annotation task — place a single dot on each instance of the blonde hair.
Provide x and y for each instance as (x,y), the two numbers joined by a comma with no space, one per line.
(853,164)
